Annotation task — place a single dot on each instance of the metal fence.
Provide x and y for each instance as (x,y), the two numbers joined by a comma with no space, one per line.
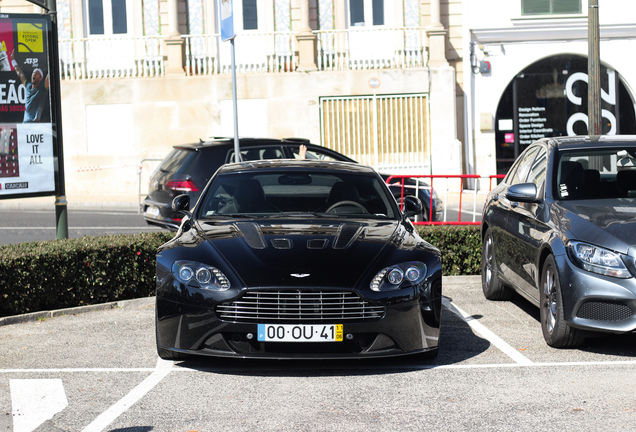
(388,132)
(450,189)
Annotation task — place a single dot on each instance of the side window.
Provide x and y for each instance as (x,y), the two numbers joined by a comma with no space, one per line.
(538,169)
(522,167)
(257,153)
(311,154)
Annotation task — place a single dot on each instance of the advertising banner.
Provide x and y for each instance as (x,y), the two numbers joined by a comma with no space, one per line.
(27,147)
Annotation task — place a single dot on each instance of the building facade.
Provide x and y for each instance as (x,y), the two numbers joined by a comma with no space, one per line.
(369,78)
(526,63)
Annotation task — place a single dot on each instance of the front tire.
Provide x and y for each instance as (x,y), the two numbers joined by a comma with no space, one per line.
(490,284)
(556,331)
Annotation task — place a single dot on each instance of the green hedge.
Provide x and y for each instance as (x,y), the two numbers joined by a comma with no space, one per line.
(40,276)
(460,247)
(57,274)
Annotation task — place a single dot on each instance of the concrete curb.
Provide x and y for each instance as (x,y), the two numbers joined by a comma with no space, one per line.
(42,315)
(35,316)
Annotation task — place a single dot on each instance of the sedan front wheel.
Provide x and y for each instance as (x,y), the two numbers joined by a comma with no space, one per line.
(556,332)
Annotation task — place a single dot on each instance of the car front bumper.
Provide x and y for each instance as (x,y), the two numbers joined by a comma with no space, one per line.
(596,302)
(406,327)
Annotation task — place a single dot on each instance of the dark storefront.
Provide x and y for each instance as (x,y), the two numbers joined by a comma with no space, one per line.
(549,98)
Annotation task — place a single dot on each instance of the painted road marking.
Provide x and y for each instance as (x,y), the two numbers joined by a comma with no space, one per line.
(487,334)
(35,401)
(107,417)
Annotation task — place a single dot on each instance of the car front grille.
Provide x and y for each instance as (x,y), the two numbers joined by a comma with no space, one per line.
(604,311)
(280,306)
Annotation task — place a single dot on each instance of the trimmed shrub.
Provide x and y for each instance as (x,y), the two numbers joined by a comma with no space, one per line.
(56,274)
(460,247)
(39,276)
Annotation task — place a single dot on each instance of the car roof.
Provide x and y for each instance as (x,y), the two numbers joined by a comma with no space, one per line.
(308,164)
(216,142)
(591,141)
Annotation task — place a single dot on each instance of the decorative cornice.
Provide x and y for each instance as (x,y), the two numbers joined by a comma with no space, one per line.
(555,31)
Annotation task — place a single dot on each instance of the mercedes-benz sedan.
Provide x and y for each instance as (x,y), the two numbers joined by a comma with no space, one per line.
(561,231)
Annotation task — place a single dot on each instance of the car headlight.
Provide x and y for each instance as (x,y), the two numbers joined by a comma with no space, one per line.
(200,275)
(398,276)
(598,260)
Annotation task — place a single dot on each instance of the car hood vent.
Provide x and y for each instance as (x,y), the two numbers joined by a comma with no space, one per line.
(252,234)
(347,234)
(342,236)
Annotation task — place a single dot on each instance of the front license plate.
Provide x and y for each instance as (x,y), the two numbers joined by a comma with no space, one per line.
(300,333)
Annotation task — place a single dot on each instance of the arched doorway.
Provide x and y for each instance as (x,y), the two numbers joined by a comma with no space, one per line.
(549,98)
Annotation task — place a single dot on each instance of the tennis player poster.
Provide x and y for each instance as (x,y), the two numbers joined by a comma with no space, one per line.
(27,152)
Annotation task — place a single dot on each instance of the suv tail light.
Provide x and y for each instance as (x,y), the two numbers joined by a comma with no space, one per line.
(182,185)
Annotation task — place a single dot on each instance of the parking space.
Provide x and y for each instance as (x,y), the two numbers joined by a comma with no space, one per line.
(98,371)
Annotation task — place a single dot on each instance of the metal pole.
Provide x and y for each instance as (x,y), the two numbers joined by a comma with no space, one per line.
(593,70)
(237,150)
(61,214)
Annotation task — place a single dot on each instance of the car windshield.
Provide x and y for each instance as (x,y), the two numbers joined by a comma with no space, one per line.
(597,173)
(272,193)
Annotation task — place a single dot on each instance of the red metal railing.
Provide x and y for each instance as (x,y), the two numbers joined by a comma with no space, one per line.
(399,180)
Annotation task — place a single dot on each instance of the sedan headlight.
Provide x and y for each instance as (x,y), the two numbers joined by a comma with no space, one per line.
(598,260)
(200,275)
(398,276)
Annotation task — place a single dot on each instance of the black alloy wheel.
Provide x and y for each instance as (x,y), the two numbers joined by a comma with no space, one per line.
(556,332)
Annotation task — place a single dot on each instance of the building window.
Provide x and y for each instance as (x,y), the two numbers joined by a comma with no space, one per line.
(378,12)
(96,17)
(550,7)
(250,16)
(107,17)
(362,12)
(119,17)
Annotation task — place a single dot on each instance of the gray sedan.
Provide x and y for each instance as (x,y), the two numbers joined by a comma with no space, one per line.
(561,231)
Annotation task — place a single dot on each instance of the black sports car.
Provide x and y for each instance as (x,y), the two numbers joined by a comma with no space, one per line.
(297,259)
(560,230)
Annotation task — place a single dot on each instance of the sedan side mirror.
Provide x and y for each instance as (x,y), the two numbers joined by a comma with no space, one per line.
(181,204)
(523,192)
(412,205)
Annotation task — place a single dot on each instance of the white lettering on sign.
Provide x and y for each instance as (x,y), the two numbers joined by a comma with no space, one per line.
(577,117)
(610,97)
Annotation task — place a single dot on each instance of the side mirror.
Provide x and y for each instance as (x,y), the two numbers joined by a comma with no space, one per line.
(523,192)
(412,205)
(181,204)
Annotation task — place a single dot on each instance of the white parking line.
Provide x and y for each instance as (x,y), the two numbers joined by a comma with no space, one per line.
(35,401)
(107,417)
(487,334)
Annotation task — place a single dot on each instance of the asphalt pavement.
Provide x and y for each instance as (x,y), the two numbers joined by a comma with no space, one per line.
(96,369)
